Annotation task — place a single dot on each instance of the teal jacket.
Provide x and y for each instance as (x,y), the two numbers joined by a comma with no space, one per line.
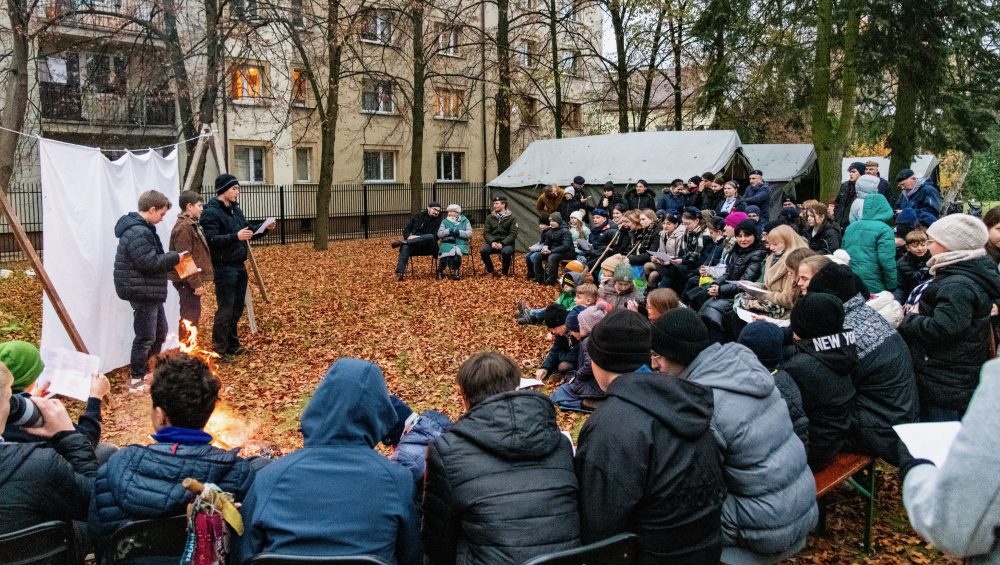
(455,233)
(872,245)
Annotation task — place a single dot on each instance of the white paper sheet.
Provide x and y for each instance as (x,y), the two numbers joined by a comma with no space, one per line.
(665,257)
(529,383)
(930,440)
(264,225)
(67,372)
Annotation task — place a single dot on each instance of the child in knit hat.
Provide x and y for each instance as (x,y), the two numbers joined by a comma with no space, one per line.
(580,392)
(563,354)
(619,291)
(24,363)
(566,299)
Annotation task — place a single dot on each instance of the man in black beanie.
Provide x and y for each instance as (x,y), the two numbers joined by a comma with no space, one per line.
(227,233)
(646,461)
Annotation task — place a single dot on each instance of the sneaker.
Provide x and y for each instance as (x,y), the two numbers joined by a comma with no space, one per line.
(456,276)
(396,244)
(137,386)
(522,309)
(399,277)
(523,320)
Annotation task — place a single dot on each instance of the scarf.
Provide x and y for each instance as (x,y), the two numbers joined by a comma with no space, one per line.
(909,193)
(183,436)
(942,260)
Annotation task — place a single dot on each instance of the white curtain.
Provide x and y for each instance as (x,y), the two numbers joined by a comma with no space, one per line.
(83,195)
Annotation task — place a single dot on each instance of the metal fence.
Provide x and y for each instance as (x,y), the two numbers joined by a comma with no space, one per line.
(356,210)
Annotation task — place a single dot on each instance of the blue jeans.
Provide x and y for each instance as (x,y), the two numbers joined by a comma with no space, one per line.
(530,261)
(149,321)
(230,291)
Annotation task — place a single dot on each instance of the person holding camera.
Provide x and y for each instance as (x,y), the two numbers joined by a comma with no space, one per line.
(44,481)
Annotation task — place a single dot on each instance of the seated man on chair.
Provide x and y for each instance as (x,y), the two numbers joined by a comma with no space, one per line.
(142,482)
(500,233)
(419,237)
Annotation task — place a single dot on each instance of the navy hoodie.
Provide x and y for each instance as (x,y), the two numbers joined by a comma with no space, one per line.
(336,496)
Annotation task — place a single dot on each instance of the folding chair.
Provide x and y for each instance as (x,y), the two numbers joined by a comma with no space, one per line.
(622,549)
(148,541)
(48,543)
(277,559)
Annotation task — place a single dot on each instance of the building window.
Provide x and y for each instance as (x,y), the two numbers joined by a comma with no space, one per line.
(244,9)
(105,74)
(377,26)
(303,164)
(247,82)
(449,166)
(571,116)
(447,39)
(526,53)
(249,164)
(529,111)
(380,166)
(448,104)
(296,16)
(569,62)
(528,4)
(300,87)
(376,97)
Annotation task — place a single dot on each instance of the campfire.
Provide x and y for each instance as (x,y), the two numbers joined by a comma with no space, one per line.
(228,429)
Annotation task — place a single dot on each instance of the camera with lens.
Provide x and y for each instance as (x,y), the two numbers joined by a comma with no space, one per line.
(23,412)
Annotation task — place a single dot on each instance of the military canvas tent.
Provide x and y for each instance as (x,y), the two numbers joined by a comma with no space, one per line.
(788,167)
(924,166)
(622,158)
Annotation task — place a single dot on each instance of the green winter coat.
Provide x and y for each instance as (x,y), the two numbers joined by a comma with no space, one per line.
(450,244)
(502,230)
(872,245)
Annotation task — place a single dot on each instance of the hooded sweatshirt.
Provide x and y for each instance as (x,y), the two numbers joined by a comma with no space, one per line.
(771,505)
(336,495)
(823,367)
(872,245)
(478,507)
(664,483)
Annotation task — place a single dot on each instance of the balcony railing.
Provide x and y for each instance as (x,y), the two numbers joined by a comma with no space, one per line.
(112,15)
(65,102)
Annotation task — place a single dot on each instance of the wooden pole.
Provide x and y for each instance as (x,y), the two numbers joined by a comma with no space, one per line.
(36,263)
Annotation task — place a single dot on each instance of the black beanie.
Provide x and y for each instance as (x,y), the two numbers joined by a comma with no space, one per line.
(835,279)
(746,226)
(620,342)
(765,340)
(680,335)
(224,182)
(817,314)
(553,316)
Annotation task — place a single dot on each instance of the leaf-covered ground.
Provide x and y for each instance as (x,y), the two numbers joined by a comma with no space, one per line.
(346,302)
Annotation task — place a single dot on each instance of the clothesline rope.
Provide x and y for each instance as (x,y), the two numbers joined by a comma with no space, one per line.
(36,136)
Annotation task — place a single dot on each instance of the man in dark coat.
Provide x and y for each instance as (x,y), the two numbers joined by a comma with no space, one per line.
(336,496)
(602,234)
(500,483)
(141,278)
(228,232)
(758,193)
(871,168)
(44,481)
(609,198)
(847,194)
(647,462)
(500,234)
(144,482)
(419,237)
(557,244)
(921,196)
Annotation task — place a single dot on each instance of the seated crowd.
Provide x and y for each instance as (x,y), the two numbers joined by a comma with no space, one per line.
(737,355)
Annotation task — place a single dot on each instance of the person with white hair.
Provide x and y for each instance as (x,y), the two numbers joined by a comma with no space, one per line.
(453,235)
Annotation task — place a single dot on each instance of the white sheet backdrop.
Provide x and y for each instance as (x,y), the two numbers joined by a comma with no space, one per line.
(83,195)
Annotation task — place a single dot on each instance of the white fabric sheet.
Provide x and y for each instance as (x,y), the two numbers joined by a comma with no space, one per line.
(83,195)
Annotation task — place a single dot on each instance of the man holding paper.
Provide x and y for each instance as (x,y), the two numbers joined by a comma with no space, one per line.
(227,232)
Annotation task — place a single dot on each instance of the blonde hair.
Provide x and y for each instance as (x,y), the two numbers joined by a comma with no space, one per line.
(816,207)
(788,236)
(587,290)
(815,263)
(648,214)
(632,217)
(916,236)
(663,300)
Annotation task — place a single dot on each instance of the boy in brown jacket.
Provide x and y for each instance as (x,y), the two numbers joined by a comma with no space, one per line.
(187,235)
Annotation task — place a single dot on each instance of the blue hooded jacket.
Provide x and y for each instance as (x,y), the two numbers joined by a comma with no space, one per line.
(336,496)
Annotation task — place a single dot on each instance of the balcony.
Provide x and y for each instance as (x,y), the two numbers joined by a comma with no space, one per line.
(113,16)
(66,103)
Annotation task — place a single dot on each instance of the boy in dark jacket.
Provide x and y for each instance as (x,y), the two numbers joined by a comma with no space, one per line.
(500,483)
(44,481)
(336,496)
(563,354)
(187,236)
(142,482)
(557,244)
(911,268)
(664,483)
(140,277)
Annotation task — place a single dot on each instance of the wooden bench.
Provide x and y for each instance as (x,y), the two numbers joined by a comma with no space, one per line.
(842,470)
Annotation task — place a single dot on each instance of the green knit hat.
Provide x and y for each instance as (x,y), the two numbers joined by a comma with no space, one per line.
(23,361)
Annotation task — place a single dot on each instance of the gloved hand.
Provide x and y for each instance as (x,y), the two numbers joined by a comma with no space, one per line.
(454,232)
(907,461)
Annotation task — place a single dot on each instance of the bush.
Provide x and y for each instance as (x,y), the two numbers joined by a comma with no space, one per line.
(983,180)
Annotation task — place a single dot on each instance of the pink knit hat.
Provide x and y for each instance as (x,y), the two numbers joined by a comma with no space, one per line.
(734,218)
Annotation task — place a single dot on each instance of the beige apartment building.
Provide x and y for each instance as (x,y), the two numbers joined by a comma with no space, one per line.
(105,81)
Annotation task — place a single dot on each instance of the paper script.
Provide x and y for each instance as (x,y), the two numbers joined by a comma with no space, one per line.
(264,225)
(67,372)
(930,440)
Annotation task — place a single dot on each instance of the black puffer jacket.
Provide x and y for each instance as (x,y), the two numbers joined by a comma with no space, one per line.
(826,240)
(635,201)
(221,223)
(842,206)
(500,485)
(712,200)
(950,335)
(822,368)
(600,238)
(745,264)
(140,264)
(144,482)
(46,481)
(558,240)
(793,399)
(648,464)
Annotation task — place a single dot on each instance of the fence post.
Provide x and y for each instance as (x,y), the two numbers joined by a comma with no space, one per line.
(434,191)
(364,216)
(281,212)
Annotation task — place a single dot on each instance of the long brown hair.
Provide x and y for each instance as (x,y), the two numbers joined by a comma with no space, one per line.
(991,219)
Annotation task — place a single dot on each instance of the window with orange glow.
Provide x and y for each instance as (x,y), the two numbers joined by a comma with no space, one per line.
(248,82)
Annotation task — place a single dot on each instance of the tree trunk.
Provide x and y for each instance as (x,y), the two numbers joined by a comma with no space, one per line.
(677,43)
(503,89)
(328,128)
(902,140)
(16,98)
(210,90)
(417,108)
(556,68)
(654,57)
(621,65)
(181,81)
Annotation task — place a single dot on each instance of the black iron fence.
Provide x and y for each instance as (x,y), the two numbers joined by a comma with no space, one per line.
(356,210)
